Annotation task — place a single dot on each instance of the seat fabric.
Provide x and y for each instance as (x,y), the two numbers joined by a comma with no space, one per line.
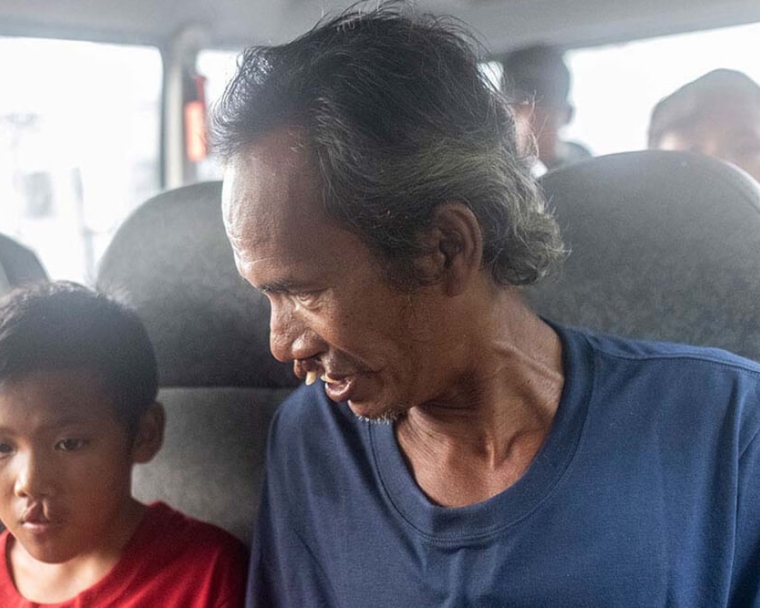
(172,263)
(663,245)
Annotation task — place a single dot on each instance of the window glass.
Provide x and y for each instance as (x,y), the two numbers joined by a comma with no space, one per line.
(217,67)
(616,87)
(79,145)
(493,70)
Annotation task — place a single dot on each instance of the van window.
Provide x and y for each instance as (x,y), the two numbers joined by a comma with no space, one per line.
(218,68)
(79,145)
(616,87)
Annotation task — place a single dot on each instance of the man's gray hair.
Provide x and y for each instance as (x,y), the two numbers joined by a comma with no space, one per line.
(399,119)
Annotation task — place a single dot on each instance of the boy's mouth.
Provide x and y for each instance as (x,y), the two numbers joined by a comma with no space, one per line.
(35,516)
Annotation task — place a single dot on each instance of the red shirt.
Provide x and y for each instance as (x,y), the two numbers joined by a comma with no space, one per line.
(171,561)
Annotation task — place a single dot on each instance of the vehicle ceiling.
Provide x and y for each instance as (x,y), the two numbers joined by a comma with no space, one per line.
(501,24)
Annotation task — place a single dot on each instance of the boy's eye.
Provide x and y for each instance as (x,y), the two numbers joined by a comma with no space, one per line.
(71,445)
(5,448)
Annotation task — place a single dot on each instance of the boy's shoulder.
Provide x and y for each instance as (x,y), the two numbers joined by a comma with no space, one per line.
(166,529)
(182,561)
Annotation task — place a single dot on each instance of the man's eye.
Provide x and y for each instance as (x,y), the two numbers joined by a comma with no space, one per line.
(5,448)
(307,298)
(71,445)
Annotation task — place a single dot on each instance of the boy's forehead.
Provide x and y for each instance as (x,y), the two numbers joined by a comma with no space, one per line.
(55,397)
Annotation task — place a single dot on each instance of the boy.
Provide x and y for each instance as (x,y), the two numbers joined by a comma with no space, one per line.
(78,384)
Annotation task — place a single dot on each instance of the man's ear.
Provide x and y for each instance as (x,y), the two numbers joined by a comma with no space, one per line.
(454,247)
(149,435)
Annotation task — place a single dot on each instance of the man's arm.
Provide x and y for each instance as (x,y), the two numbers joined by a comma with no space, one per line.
(284,571)
(746,583)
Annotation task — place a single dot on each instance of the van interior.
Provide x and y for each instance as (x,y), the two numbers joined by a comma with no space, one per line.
(107,179)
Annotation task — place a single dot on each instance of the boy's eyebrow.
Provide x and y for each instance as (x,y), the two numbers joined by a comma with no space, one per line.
(66,421)
(53,424)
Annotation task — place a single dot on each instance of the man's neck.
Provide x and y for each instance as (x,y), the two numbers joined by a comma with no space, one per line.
(483,437)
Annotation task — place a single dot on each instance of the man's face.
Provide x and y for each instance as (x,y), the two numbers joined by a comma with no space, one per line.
(729,131)
(64,466)
(333,311)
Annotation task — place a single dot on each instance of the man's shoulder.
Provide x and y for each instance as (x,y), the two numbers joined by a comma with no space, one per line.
(643,351)
(703,385)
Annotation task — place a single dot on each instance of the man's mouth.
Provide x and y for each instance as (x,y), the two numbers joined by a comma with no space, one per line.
(312,375)
(339,386)
(339,389)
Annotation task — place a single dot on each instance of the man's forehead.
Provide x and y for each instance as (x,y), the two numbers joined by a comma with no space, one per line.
(273,211)
(271,179)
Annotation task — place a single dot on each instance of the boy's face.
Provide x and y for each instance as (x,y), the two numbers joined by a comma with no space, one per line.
(65,466)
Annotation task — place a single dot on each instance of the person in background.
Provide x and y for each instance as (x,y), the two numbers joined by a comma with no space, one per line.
(718,115)
(537,83)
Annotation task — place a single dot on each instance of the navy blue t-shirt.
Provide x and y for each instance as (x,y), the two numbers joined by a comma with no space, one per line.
(646,492)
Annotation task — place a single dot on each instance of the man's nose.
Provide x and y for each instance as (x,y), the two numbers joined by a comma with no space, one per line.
(290,337)
(33,479)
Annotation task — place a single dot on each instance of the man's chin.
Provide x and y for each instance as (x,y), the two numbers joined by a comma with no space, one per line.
(376,413)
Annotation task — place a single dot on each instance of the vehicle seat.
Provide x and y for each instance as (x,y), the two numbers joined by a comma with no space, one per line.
(664,245)
(172,263)
(18,265)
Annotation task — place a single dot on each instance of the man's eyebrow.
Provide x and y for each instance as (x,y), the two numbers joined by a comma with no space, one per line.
(280,286)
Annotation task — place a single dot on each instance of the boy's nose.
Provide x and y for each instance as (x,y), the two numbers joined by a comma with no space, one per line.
(32,479)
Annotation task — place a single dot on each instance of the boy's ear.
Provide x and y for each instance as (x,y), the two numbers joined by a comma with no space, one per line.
(149,435)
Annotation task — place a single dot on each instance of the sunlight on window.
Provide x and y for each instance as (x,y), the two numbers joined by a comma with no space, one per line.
(218,67)
(79,145)
(616,87)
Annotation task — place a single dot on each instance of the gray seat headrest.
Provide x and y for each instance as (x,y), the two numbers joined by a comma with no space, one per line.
(172,263)
(664,245)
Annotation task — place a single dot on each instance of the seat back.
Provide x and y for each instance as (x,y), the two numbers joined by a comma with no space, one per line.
(171,262)
(664,245)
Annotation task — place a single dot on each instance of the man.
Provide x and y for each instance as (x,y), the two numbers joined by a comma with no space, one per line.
(449,447)
(537,82)
(717,114)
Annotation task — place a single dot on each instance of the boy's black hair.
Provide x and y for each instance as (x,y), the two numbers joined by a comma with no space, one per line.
(65,326)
